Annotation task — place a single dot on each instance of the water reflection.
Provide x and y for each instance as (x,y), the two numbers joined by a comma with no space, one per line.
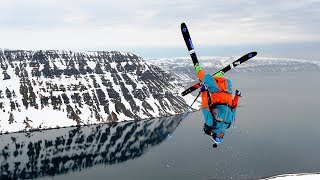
(59,151)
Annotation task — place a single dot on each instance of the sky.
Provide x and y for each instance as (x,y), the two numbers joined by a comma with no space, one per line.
(286,28)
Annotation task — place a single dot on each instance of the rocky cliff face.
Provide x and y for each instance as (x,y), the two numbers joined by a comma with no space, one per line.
(61,151)
(48,89)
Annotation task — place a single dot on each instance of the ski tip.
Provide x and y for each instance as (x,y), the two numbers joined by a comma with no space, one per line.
(183,27)
(253,53)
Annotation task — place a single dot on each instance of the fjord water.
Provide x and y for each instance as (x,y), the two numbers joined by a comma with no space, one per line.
(276,132)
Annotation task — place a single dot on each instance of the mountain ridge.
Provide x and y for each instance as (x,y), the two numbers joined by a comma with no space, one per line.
(182,68)
(56,88)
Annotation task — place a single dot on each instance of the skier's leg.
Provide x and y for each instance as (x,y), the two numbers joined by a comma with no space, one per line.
(207,117)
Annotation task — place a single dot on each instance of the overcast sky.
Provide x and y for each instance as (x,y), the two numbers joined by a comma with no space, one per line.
(145,25)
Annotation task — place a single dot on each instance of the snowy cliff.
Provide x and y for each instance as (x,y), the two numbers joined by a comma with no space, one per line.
(49,89)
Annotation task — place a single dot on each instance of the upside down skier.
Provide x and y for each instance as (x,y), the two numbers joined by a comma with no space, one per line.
(218,106)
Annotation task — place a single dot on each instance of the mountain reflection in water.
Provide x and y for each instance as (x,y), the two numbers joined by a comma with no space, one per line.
(59,151)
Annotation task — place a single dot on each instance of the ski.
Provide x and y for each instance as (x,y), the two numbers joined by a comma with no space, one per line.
(188,41)
(222,71)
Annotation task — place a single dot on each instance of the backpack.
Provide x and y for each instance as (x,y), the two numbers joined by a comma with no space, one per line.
(224,94)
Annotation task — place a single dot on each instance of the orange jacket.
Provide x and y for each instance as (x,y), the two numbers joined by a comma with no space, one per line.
(220,91)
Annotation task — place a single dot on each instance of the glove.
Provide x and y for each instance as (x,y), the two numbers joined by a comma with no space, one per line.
(198,68)
(238,93)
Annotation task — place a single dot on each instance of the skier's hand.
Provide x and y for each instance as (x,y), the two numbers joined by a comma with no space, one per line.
(238,93)
(198,68)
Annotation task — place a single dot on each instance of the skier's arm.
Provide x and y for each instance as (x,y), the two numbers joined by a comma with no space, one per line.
(236,99)
(235,102)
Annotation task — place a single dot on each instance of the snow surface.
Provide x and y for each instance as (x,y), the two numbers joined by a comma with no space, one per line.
(301,176)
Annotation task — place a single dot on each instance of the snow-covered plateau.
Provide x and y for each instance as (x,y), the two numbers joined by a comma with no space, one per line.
(51,88)
(182,68)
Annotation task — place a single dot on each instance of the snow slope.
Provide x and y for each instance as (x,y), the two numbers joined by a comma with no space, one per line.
(301,176)
(50,88)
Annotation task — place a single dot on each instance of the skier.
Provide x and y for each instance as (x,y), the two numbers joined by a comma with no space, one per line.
(218,107)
